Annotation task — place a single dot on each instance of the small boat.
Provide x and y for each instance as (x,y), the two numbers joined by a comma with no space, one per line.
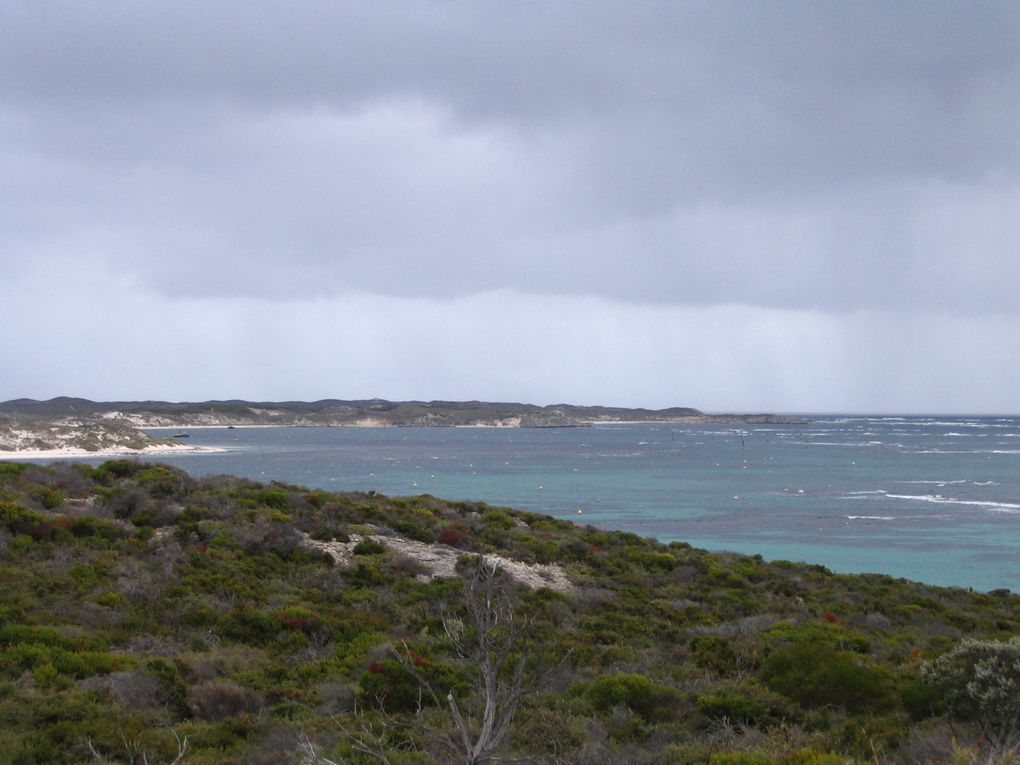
(182,434)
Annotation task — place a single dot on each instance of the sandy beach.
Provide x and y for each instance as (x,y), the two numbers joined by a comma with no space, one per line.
(72,453)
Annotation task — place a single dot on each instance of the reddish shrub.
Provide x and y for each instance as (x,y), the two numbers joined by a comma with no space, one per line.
(830,618)
(454,535)
(299,619)
(417,659)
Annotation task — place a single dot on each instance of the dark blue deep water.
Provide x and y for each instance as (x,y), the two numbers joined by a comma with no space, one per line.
(931,499)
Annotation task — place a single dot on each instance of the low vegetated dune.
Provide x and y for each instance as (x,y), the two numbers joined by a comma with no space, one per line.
(145,613)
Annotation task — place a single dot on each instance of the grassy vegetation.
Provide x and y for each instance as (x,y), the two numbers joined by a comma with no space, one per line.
(140,606)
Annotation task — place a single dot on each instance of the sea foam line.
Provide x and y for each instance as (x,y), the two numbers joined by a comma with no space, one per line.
(1003,507)
(938,483)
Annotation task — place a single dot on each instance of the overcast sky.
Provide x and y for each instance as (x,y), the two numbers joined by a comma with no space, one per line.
(782,206)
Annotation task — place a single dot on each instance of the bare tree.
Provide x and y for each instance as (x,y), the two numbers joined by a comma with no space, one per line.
(495,642)
(137,753)
(310,753)
(366,737)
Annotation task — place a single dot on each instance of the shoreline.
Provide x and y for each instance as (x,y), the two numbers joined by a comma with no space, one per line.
(77,453)
(210,427)
(493,425)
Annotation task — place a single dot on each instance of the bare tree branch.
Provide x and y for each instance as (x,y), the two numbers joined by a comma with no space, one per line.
(135,751)
(495,643)
(310,754)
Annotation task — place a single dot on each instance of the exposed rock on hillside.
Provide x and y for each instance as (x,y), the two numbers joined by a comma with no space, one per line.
(441,560)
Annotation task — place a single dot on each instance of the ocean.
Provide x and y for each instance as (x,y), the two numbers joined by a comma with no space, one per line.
(934,499)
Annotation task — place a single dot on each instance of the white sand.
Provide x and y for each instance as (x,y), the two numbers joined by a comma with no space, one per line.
(121,451)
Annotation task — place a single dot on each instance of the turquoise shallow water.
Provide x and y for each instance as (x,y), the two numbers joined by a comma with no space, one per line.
(931,499)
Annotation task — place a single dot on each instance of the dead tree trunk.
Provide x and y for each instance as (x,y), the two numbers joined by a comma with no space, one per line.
(493,640)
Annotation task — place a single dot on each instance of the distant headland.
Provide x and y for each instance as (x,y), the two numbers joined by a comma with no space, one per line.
(80,426)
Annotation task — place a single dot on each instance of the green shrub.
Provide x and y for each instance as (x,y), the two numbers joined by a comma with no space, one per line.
(820,632)
(249,626)
(980,681)
(364,575)
(14,634)
(85,526)
(369,547)
(651,701)
(652,561)
(18,519)
(275,498)
(814,757)
(55,660)
(12,469)
(743,703)
(814,674)
(498,519)
(414,528)
(714,653)
(397,687)
(173,689)
(796,757)
(162,480)
(113,470)
(742,758)
(49,498)
(217,700)
(919,698)
(131,503)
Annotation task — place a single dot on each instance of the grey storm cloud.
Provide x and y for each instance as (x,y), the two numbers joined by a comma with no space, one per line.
(773,205)
(798,154)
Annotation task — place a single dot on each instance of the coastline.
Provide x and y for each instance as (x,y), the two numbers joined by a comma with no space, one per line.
(77,453)
(225,426)
(510,424)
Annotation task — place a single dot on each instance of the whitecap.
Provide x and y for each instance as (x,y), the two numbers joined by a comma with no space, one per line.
(857,444)
(872,517)
(937,483)
(1005,507)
